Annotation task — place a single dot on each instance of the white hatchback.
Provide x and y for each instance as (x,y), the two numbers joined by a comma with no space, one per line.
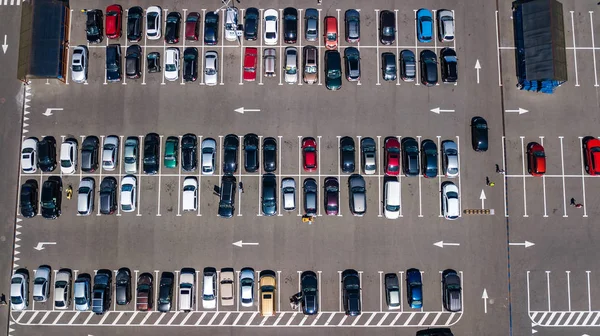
(128,193)
(450,201)
(153,22)
(172,64)
(29,156)
(211,68)
(271,24)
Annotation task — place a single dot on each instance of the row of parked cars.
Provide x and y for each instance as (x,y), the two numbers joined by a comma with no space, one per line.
(97,296)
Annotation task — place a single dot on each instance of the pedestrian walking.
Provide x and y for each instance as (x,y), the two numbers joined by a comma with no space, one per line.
(242,187)
(3,299)
(572,201)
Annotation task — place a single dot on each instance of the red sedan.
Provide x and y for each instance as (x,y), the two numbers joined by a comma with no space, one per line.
(309,154)
(114,21)
(536,159)
(591,149)
(392,156)
(250,59)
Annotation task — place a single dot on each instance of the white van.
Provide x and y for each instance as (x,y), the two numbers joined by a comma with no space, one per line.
(391,205)
(189,201)
(231,21)
(187,280)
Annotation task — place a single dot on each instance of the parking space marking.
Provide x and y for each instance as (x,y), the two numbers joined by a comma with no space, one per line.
(582,177)
(180,158)
(399,137)
(200,318)
(439,164)
(279,47)
(380,290)
(220,167)
(159,159)
(139,174)
(279,169)
(593,48)
(397,48)
(222,47)
(339,173)
(197,279)
(259,178)
(574,48)
(183,50)
(420,176)
(543,181)
(524,182)
(416,49)
(68,37)
(300,164)
(260,38)
(126,45)
(177,287)
(201,38)
(240,139)
(379,150)
(164,51)
(498,54)
(199,205)
(144,59)
(300,53)
(588,291)
(241,41)
(319,190)
(100,168)
(562,162)
(378,56)
(321,57)
(505,177)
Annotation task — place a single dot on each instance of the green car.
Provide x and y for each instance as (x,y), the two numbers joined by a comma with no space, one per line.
(171,151)
(333,70)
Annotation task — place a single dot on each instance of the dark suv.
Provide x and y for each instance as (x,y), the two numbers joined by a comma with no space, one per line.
(151,148)
(269,154)
(231,144)
(93,26)
(47,154)
(269,194)
(189,152)
(165,292)
(113,63)
(448,65)
(310,293)
(429,76)
(251,154)
(429,158)
(108,195)
(123,286)
(89,154)
(133,62)
(102,293)
(351,292)
(410,156)
(29,199)
(347,150)
(51,197)
(227,196)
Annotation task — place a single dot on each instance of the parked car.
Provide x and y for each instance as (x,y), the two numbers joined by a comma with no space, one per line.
(288,193)
(449,65)
(165,292)
(347,154)
(29,159)
(145,292)
(209,288)
(46,150)
(42,284)
(414,288)
(153,22)
(94,26)
(247,287)
(331,33)
(351,292)
(310,292)
(392,291)
(151,149)
(310,197)
(172,64)
(368,150)
(267,291)
(271,35)
(154,64)
(358,195)
(172,27)
(536,159)
(392,156)
(131,155)
(51,198)
(387,27)
(352,19)
(291,65)
(62,289)
(311,65)
(192,26)
(128,193)
(391,200)
(269,148)
(227,287)
(309,154)
(82,292)
(269,58)
(89,154)
(189,152)
(86,196)
(408,66)
(333,70)
(410,156)
(227,196)
(113,63)
(449,158)
(479,134)
(450,201)
(68,156)
(123,286)
(311,19)
(108,195)
(269,194)
(250,61)
(114,21)
(429,76)
(451,287)
(231,21)
(591,157)
(352,57)
(251,152)
(251,19)
(231,145)
(211,28)
(445,20)
(135,25)
(29,198)
(332,196)
(19,290)
(79,64)
(211,68)
(110,153)
(208,148)
(388,66)
(189,199)
(102,291)
(190,64)
(424,25)
(290,25)
(429,158)
(187,294)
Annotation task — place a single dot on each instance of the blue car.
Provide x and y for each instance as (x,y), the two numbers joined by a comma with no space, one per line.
(414,288)
(424,25)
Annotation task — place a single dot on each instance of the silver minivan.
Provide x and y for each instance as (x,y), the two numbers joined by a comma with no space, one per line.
(85,196)
(288,193)
(269,59)
(310,196)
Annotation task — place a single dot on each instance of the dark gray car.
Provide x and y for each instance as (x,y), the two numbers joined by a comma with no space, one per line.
(410,156)
(351,292)
(429,158)
(251,18)
(310,293)
(352,57)
(269,154)
(165,292)
(358,195)
(388,66)
(310,196)
(408,66)
(108,195)
(452,290)
(123,286)
(89,154)
(311,17)
(352,19)
(133,62)
(347,150)
(231,144)
(227,196)
(269,194)
(429,75)
(251,152)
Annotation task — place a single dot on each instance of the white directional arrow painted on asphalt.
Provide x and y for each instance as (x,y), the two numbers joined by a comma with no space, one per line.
(484,296)
(49,111)
(40,245)
(242,110)
(477,67)
(439,109)
(4,46)
(241,243)
(526,244)
(482,198)
(519,111)
(442,244)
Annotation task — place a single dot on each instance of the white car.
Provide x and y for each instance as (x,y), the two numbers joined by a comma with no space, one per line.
(68,156)
(128,193)
(247,287)
(271,24)
(62,289)
(110,153)
(130,155)
(450,202)
(79,64)
(172,64)
(209,288)
(211,67)
(85,196)
(288,193)
(209,147)
(19,290)
(231,22)
(41,284)
(445,20)
(189,199)
(450,158)
(187,281)
(29,156)
(153,22)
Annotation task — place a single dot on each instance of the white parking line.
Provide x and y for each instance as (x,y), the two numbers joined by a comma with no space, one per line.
(279,169)
(279,292)
(524,182)
(377,56)
(179,164)
(420,177)
(222,47)
(397,56)
(101,159)
(201,39)
(300,19)
(320,46)
(339,172)
(505,177)
(439,164)
(144,54)
(196,280)
(176,294)
(139,191)
(434,37)
(380,290)
(280,46)
(548,286)
(242,53)
(562,162)
(319,191)
(569,289)
(378,151)
(183,47)
(69,49)
(199,205)
(159,159)
(164,51)
(593,48)
(543,180)
(399,176)
(497,54)
(240,139)
(339,292)
(260,162)
(259,38)
(582,177)
(417,56)
(574,49)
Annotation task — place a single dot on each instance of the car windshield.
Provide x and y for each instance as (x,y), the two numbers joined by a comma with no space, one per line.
(332,189)
(16,300)
(65,163)
(39,281)
(129,159)
(208,297)
(92,30)
(170,67)
(541,154)
(77,68)
(210,71)
(290,70)
(481,126)
(270,35)
(48,205)
(452,194)
(127,187)
(152,20)
(249,69)
(331,36)
(333,74)
(450,59)
(189,188)
(393,208)
(331,207)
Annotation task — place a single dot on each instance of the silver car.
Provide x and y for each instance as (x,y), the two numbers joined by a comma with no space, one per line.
(288,193)
(19,290)
(131,155)
(450,158)
(291,65)
(247,287)
(82,292)
(85,196)
(311,16)
(110,153)
(208,149)
(445,20)
(62,289)
(368,149)
(211,67)
(41,284)
(79,64)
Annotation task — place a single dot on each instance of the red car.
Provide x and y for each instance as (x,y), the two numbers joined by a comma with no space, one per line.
(114,21)
(591,148)
(192,26)
(392,156)
(250,57)
(536,159)
(309,154)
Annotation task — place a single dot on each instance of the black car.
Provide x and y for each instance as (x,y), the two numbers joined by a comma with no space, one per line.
(189,152)
(251,152)
(29,199)
(231,144)
(190,64)
(387,27)
(290,25)
(151,148)
(51,199)
(333,70)
(227,196)
(428,60)
(269,154)
(429,158)
(448,65)
(347,150)
(89,154)
(102,293)
(134,23)
(410,157)
(108,195)
(352,19)
(123,286)
(388,66)
(133,62)
(211,28)
(172,27)
(351,292)
(165,292)
(408,65)
(310,293)
(269,194)
(435,332)
(310,189)
(479,134)
(451,286)
(352,57)
(153,59)
(113,63)
(47,154)
(94,28)
(251,19)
